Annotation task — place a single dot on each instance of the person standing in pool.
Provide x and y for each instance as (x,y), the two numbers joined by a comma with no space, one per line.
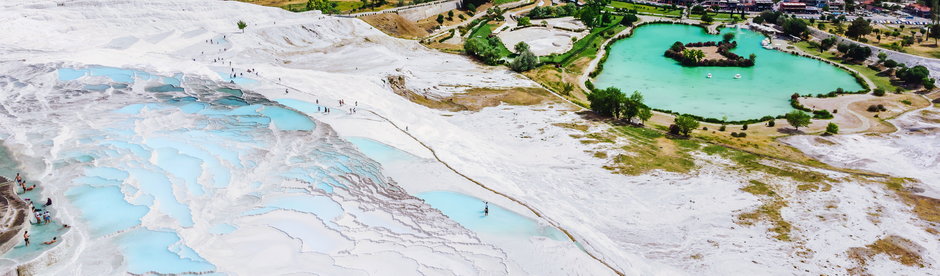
(26,237)
(486,208)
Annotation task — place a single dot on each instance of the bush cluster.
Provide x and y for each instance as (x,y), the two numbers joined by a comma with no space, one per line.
(679,53)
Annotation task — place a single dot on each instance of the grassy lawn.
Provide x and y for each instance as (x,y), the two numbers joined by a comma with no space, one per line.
(880,81)
(587,46)
(716,16)
(646,8)
(484,32)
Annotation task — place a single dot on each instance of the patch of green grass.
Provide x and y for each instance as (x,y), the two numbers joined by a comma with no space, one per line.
(587,46)
(344,6)
(752,162)
(650,150)
(484,31)
(714,149)
(759,188)
(665,11)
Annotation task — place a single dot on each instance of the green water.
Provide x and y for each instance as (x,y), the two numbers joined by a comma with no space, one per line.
(637,63)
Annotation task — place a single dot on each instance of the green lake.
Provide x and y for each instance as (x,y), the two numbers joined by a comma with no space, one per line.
(637,64)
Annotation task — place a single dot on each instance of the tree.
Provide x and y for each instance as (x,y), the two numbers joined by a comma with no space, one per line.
(450,15)
(630,107)
(832,128)
(794,26)
(644,115)
(471,7)
(859,27)
(913,75)
(935,32)
(486,49)
(882,57)
(241,25)
(693,54)
(440,19)
(526,60)
(727,37)
(827,43)
(685,124)
(606,102)
(521,47)
(797,119)
(524,21)
(707,18)
(629,19)
(891,63)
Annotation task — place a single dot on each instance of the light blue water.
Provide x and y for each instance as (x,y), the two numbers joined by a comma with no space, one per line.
(468,211)
(160,251)
(379,151)
(286,119)
(637,64)
(302,106)
(104,210)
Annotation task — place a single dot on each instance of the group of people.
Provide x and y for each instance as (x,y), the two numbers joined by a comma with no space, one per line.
(26,239)
(42,216)
(22,183)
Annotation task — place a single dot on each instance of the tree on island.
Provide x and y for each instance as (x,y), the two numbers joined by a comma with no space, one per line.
(684,125)
(797,119)
(693,54)
(241,25)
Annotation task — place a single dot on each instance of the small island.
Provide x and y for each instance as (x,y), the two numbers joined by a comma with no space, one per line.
(709,53)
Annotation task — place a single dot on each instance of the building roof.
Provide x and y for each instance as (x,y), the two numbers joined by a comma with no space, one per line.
(919,7)
(793,4)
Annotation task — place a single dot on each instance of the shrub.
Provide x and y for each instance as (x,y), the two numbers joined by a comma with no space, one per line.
(721,128)
(798,118)
(771,123)
(685,124)
(744,127)
(832,128)
(879,92)
(822,114)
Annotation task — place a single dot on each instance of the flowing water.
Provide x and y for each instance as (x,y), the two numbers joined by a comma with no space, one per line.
(637,64)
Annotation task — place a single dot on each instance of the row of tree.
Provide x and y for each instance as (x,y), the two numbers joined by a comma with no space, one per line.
(790,25)
(611,102)
(484,49)
(553,11)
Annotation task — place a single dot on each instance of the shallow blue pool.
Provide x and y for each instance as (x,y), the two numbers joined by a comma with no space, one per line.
(468,211)
(379,151)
